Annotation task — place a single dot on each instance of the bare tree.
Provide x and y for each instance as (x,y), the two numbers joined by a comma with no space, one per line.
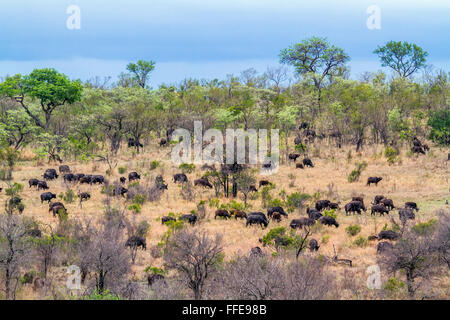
(195,256)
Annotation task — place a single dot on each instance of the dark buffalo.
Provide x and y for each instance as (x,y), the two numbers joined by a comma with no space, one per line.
(54,204)
(388,235)
(360,199)
(294,156)
(78,176)
(416,149)
(256,252)
(42,185)
(380,208)
(299,166)
(313,245)
(222,213)
(84,196)
(256,219)
(136,242)
(86,179)
(123,180)
(377,199)
(180,177)
(191,218)
(334,205)
(167,219)
(298,140)
(384,246)
(33,182)
(152,278)
(69,177)
(329,221)
(203,183)
(134,143)
(162,142)
(98,179)
(238,214)
(133,176)
(322,204)
(64,169)
(253,189)
(313,213)
(49,176)
(302,222)
(272,210)
(47,196)
(119,191)
(308,163)
(354,206)
(303,125)
(35,233)
(411,205)
(388,203)
(406,214)
(264,183)
(375,180)
(162,186)
(58,209)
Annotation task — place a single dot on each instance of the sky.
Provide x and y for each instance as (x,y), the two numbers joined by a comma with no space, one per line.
(207,38)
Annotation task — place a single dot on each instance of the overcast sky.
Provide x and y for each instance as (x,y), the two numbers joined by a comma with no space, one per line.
(207,38)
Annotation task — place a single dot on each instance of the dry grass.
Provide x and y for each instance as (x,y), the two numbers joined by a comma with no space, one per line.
(421,179)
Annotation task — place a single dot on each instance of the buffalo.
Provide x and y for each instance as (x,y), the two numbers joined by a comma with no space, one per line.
(50,174)
(360,199)
(222,213)
(375,180)
(64,169)
(417,149)
(299,166)
(123,180)
(313,245)
(98,179)
(294,156)
(78,176)
(69,177)
(313,213)
(380,208)
(133,176)
(119,190)
(54,204)
(272,210)
(256,252)
(256,219)
(388,235)
(167,219)
(134,143)
(354,206)
(47,196)
(302,222)
(203,182)
(388,203)
(264,183)
(384,246)
(377,199)
(329,221)
(191,218)
(84,196)
(322,204)
(136,242)
(411,205)
(162,142)
(58,209)
(42,185)
(308,163)
(33,182)
(180,177)
(239,214)
(406,214)
(152,278)
(86,179)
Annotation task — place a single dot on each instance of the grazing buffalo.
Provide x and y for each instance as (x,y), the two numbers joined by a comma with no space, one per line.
(411,205)
(264,183)
(384,246)
(33,182)
(50,174)
(313,245)
(222,213)
(313,213)
(58,209)
(133,176)
(152,278)
(354,206)
(84,196)
(78,176)
(180,177)
(191,218)
(294,156)
(272,210)
(42,185)
(253,189)
(98,179)
(334,205)
(303,125)
(86,179)
(123,180)
(136,242)
(69,177)
(203,182)
(388,235)
(119,191)
(54,204)
(162,142)
(377,199)
(329,221)
(238,214)
(308,163)
(162,186)
(256,219)
(360,199)
(47,196)
(322,204)
(134,143)
(302,222)
(406,214)
(299,166)
(167,219)
(388,203)
(64,169)
(380,208)
(375,180)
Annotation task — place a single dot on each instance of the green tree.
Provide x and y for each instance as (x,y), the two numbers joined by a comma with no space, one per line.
(141,71)
(403,57)
(50,88)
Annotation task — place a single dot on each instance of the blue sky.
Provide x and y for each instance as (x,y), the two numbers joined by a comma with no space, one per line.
(209,38)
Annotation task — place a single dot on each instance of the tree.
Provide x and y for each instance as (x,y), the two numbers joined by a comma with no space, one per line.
(195,256)
(316,58)
(403,57)
(245,183)
(50,88)
(141,71)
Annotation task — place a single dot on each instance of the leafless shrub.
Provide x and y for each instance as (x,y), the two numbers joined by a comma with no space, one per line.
(187,191)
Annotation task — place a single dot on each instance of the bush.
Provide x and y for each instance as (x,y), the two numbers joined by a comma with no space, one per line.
(297,200)
(154,164)
(439,122)
(275,203)
(187,167)
(393,285)
(136,208)
(70,196)
(353,230)
(325,238)
(391,154)
(360,242)
(330,213)
(425,228)
(139,199)
(106,295)
(356,173)
(122,170)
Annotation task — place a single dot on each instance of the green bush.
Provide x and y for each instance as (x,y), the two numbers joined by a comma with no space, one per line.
(135,207)
(187,167)
(297,200)
(356,173)
(122,170)
(439,122)
(325,238)
(425,228)
(330,213)
(154,164)
(139,199)
(275,202)
(70,196)
(361,242)
(353,230)
(106,295)
(391,154)
(393,285)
